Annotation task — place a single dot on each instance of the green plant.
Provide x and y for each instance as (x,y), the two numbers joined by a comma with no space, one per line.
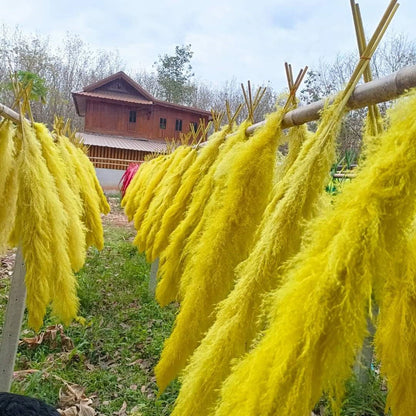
(366,398)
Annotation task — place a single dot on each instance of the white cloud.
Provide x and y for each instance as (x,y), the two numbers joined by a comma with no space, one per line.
(241,39)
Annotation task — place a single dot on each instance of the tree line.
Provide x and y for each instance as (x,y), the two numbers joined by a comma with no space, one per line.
(74,65)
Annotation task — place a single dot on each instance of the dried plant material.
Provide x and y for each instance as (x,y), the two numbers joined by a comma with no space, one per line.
(138,186)
(295,196)
(122,411)
(242,184)
(318,319)
(8,182)
(91,200)
(74,402)
(162,196)
(127,177)
(180,204)
(173,258)
(71,202)
(146,195)
(40,220)
(50,336)
(91,177)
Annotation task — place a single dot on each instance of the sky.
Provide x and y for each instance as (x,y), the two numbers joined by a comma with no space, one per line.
(236,39)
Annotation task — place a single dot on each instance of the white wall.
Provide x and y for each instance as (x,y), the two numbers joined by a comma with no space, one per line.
(109,178)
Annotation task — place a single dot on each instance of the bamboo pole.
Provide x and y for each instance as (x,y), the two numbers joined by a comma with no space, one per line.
(364,359)
(373,92)
(9,113)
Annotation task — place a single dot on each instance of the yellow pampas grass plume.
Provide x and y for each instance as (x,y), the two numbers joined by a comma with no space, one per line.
(173,258)
(295,138)
(147,194)
(40,230)
(295,197)
(170,188)
(7,150)
(91,201)
(244,179)
(161,196)
(318,318)
(137,186)
(75,231)
(176,212)
(93,180)
(8,182)
(395,339)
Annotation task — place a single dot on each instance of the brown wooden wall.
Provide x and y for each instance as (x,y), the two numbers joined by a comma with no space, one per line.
(111,158)
(113,119)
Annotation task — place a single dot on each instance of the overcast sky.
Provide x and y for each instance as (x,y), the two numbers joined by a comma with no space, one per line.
(241,39)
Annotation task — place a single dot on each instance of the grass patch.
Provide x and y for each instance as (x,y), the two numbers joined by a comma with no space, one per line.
(117,347)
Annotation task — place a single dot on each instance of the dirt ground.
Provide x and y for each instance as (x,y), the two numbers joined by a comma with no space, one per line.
(116,215)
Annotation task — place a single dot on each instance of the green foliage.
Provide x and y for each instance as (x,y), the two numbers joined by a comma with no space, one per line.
(36,84)
(65,68)
(343,165)
(174,73)
(366,398)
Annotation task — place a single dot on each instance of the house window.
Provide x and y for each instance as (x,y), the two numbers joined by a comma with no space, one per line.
(194,126)
(162,123)
(132,116)
(178,126)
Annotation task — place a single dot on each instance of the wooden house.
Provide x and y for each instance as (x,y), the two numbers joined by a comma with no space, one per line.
(123,122)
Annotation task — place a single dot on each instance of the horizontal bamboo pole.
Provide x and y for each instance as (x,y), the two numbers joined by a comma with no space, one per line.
(9,113)
(373,92)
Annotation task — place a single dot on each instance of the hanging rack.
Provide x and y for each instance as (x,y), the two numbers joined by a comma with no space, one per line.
(373,92)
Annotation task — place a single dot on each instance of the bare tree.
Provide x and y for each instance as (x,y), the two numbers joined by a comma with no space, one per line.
(395,52)
(75,64)
(64,70)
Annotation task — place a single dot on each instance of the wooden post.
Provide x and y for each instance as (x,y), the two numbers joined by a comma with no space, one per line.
(12,323)
(153,277)
(365,357)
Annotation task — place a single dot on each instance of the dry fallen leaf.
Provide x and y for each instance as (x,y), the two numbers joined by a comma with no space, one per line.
(85,409)
(50,336)
(72,399)
(122,411)
(71,411)
(33,342)
(70,395)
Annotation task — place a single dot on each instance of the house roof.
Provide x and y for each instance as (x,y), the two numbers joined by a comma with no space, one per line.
(120,142)
(80,99)
(137,95)
(119,75)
